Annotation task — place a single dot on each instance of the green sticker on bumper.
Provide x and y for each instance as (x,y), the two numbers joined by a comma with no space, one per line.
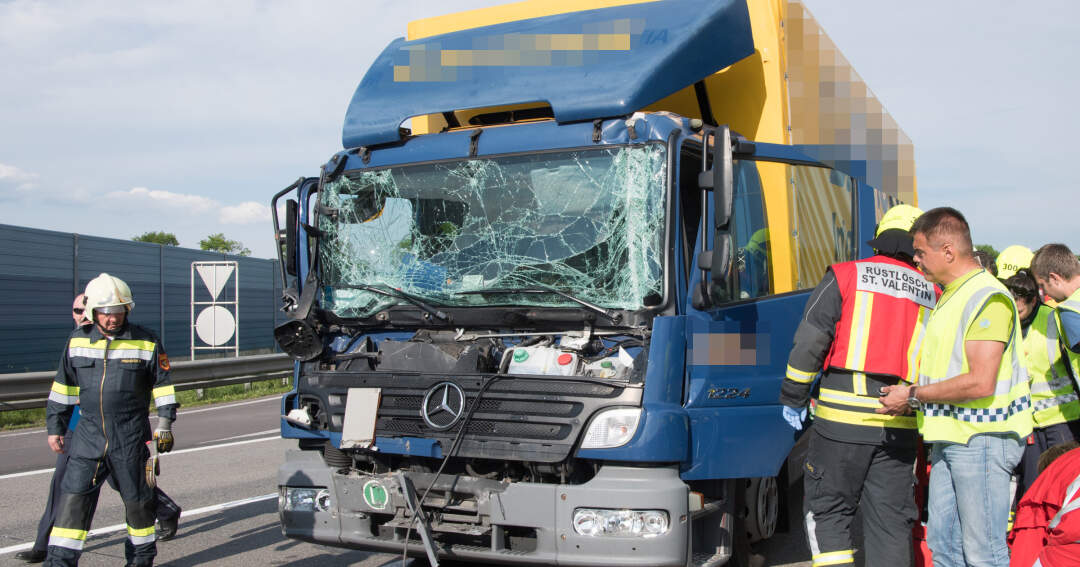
(375,495)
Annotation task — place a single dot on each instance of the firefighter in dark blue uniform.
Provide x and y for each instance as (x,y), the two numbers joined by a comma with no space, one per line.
(113,368)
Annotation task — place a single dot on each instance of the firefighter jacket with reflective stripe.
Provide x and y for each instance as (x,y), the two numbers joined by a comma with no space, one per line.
(1072,303)
(885,304)
(1053,397)
(114,381)
(1008,409)
(1047,524)
(865,318)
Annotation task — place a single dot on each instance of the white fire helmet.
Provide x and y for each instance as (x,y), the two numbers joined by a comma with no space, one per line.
(107,291)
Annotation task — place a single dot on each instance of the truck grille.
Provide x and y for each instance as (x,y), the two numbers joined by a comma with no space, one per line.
(528,419)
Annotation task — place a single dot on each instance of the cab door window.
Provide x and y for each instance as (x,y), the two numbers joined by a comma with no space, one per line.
(822,202)
(750,233)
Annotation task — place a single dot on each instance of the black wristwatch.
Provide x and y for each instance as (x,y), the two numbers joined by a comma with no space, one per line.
(912,401)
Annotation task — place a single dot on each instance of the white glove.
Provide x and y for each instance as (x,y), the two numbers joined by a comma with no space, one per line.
(794,417)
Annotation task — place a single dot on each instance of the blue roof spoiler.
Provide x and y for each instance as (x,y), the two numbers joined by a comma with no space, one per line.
(591,64)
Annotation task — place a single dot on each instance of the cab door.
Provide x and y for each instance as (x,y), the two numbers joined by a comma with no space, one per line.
(791,217)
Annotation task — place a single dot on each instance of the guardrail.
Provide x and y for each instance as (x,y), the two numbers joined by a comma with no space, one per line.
(30,389)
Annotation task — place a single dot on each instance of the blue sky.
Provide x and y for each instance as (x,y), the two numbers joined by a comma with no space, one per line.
(120,117)
(987,92)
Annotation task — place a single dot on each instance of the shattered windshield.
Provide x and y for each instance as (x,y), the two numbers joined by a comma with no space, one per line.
(585,222)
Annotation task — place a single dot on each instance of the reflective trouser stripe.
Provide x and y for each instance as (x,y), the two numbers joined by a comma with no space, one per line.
(834,558)
(141,539)
(73,544)
(67,537)
(141,535)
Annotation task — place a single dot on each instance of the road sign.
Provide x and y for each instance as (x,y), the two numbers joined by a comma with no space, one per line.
(218,320)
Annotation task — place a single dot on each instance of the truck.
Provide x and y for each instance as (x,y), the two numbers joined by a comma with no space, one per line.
(540,303)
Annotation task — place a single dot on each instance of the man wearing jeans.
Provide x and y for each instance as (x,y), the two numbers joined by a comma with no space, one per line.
(972,396)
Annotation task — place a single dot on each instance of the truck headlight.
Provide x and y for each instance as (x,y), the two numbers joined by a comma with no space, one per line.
(301,499)
(598,522)
(612,428)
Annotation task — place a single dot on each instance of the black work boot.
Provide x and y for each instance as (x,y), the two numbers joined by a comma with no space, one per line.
(31,556)
(166,529)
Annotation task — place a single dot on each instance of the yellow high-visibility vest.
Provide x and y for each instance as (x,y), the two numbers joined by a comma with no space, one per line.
(1070,304)
(1053,398)
(1008,409)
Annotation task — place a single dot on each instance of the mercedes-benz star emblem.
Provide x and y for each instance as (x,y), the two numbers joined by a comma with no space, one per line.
(443,405)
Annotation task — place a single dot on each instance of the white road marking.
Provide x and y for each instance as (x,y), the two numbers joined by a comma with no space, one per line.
(21,433)
(26,473)
(183,514)
(242,436)
(180,452)
(275,397)
(193,449)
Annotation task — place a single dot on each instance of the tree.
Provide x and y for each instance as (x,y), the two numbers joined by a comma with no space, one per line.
(988,249)
(218,243)
(157,237)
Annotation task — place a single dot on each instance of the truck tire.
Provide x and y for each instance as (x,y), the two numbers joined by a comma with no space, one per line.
(762,508)
(335,458)
(742,553)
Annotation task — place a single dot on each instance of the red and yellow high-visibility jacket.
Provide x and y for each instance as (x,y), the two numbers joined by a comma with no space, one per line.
(885,304)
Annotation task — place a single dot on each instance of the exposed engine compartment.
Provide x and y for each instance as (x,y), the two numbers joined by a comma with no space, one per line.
(537,392)
(569,353)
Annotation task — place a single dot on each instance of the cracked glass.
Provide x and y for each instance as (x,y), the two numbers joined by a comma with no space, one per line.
(589,223)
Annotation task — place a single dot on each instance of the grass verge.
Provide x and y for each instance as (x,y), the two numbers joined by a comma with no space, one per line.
(21,419)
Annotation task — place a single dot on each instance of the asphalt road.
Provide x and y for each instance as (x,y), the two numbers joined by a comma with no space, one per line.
(223,472)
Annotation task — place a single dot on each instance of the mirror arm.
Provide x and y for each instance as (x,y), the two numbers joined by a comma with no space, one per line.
(705,182)
(277,227)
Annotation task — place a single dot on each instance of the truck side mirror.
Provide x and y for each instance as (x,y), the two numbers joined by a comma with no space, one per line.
(723,181)
(290,236)
(718,179)
(722,178)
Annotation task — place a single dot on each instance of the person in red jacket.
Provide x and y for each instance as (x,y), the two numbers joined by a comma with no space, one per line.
(1046,531)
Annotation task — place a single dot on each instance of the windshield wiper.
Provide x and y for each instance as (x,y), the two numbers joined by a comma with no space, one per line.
(614,316)
(383,289)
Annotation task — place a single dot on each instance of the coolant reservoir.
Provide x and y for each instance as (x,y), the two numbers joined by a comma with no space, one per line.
(611,367)
(543,360)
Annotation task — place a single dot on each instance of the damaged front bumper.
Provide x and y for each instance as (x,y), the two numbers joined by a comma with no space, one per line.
(475,519)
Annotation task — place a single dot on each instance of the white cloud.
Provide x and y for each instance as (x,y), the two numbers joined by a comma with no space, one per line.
(245,213)
(175,202)
(188,204)
(185,116)
(15,178)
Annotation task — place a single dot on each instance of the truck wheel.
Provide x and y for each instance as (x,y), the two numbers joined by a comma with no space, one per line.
(762,508)
(742,553)
(336,458)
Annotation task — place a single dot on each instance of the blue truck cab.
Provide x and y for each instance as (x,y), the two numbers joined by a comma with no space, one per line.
(540,315)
